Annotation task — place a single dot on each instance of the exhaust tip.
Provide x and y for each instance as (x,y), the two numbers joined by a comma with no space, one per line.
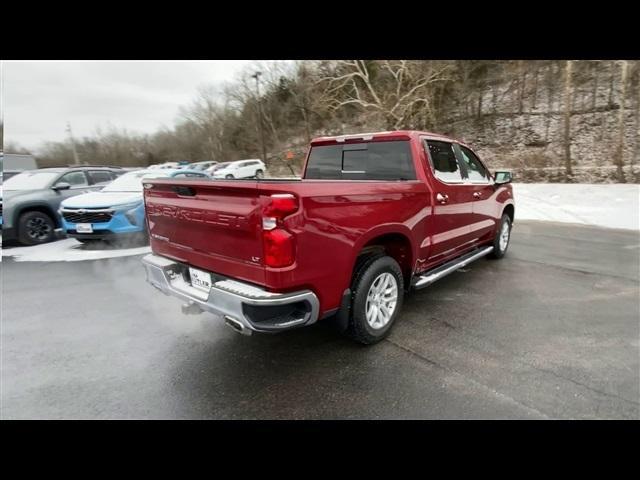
(236,325)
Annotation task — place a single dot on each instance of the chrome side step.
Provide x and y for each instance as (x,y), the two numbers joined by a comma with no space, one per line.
(428,278)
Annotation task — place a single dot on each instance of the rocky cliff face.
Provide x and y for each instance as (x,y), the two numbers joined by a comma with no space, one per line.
(517,121)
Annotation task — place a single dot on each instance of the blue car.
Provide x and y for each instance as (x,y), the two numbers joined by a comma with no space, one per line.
(115,211)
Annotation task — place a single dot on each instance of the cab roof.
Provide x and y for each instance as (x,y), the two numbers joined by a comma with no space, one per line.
(400,134)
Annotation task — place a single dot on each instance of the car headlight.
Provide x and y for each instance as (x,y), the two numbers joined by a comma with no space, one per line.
(132,215)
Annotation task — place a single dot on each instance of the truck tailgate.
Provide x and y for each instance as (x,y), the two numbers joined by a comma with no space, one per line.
(212,225)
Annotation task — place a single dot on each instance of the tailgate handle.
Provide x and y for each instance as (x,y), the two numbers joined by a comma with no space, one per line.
(184,191)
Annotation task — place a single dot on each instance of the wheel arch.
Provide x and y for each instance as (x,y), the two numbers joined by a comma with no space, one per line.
(394,241)
(510,210)
(36,207)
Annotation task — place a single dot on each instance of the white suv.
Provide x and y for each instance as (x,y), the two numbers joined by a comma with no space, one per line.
(239,169)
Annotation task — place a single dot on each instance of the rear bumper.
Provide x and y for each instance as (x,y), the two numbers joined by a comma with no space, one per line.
(245,307)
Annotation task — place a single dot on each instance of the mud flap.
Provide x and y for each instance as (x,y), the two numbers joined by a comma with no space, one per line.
(342,317)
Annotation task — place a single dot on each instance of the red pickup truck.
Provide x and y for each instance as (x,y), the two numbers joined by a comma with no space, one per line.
(373,216)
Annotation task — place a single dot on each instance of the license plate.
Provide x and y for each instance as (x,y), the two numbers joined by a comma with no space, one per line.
(200,279)
(84,228)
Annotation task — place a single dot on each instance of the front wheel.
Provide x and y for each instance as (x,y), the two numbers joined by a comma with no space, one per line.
(35,228)
(259,174)
(503,235)
(229,176)
(378,291)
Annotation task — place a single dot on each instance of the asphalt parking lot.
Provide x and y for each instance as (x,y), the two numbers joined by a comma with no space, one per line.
(551,331)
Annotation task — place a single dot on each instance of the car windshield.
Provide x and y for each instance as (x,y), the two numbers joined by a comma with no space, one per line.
(132,181)
(32,180)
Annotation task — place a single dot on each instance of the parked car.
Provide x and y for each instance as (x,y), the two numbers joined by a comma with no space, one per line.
(218,166)
(115,211)
(201,165)
(374,215)
(32,199)
(239,169)
(7,174)
(172,165)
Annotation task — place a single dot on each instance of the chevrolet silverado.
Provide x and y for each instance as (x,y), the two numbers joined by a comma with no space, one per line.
(373,216)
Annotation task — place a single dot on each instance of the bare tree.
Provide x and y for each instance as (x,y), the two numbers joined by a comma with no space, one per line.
(534,97)
(594,76)
(636,149)
(13,147)
(391,90)
(522,82)
(619,157)
(568,94)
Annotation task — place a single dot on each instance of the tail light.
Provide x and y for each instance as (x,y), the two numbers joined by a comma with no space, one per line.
(279,244)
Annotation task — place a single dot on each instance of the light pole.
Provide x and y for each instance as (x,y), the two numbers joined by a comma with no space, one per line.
(76,160)
(264,148)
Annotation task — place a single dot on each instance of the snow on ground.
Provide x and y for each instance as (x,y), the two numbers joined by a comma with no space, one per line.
(601,205)
(69,250)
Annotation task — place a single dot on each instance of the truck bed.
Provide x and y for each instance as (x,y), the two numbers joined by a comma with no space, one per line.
(217,226)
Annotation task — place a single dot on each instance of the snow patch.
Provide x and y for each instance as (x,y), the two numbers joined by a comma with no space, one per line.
(69,250)
(601,205)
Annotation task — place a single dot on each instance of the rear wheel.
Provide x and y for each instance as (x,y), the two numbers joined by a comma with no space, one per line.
(35,228)
(378,291)
(229,176)
(503,235)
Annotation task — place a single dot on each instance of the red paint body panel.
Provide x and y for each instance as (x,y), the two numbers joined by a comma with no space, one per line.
(217,225)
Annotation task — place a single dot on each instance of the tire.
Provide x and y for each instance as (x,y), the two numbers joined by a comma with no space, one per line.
(367,296)
(35,228)
(229,176)
(500,245)
(259,174)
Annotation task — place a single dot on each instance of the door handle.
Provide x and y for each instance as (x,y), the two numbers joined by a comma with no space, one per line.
(477,194)
(442,198)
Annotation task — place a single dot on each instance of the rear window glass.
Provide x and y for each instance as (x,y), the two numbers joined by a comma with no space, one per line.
(362,161)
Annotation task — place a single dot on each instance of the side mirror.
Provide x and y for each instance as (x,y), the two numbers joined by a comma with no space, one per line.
(500,178)
(61,186)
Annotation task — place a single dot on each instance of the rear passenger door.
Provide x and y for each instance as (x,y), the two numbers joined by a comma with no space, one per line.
(250,170)
(481,187)
(452,204)
(243,170)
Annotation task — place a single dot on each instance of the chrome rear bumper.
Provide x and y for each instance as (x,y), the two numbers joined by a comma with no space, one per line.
(245,307)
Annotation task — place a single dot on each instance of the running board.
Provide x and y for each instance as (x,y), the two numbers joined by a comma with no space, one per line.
(428,278)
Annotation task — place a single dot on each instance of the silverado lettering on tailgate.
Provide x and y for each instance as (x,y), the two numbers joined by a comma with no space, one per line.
(197,215)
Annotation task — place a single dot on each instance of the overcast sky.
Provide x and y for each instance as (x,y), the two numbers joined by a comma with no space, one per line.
(141,96)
